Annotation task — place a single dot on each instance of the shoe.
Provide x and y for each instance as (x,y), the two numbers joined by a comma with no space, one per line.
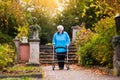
(60,68)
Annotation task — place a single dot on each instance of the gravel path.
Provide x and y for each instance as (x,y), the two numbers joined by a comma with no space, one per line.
(75,73)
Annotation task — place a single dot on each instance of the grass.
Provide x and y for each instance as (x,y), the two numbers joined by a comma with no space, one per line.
(21,72)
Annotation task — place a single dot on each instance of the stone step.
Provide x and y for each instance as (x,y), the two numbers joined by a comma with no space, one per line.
(51,56)
(46,54)
(51,61)
(51,51)
(49,48)
(43,53)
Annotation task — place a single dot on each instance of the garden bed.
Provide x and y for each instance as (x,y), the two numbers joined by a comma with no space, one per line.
(19,71)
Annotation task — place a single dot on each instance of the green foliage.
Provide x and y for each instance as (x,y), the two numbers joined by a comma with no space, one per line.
(103,50)
(72,9)
(24,68)
(83,36)
(4,38)
(22,31)
(20,70)
(47,26)
(85,47)
(7,18)
(96,10)
(6,55)
(85,55)
(88,11)
(96,48)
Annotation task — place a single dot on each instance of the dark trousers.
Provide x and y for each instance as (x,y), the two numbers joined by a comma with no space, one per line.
(61,59)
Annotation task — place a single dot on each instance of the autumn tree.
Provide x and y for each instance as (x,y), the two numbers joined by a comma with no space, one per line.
(44,11)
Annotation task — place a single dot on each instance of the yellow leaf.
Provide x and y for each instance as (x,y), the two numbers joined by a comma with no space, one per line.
(26,1)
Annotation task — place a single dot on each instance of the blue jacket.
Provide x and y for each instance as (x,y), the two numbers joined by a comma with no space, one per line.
(60,41)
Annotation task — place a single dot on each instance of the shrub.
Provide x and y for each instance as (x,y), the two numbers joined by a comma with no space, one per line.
(85,56)
(103,50)
(84,46)
(6,55)
(83,36)
(96,48)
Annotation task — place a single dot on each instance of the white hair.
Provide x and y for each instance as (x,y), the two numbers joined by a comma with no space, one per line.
(61,27)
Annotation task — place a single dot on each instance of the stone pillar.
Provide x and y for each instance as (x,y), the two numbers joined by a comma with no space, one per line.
(34,52)
(116,56)
(116,42)
(17,45)
(75,29)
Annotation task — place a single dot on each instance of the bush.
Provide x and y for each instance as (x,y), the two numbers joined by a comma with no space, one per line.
(85,47)
(83,36)
(6,55)
(96,48)
(85,56)
(103,50)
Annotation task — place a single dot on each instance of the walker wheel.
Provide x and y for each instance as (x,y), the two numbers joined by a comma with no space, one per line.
(68,67)
(53,67)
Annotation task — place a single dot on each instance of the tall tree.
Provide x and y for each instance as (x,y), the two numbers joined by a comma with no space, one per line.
(88,11)
(44,11)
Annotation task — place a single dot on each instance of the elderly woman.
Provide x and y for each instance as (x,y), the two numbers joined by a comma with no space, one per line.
(61,40)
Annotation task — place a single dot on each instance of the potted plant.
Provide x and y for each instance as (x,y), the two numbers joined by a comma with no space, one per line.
(24,49)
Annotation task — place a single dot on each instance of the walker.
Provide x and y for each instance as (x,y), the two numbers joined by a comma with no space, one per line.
(56,61)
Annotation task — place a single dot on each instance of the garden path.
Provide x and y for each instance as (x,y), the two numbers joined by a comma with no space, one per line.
(75,73)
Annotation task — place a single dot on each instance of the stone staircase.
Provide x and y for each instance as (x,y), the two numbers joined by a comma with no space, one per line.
(46,54)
